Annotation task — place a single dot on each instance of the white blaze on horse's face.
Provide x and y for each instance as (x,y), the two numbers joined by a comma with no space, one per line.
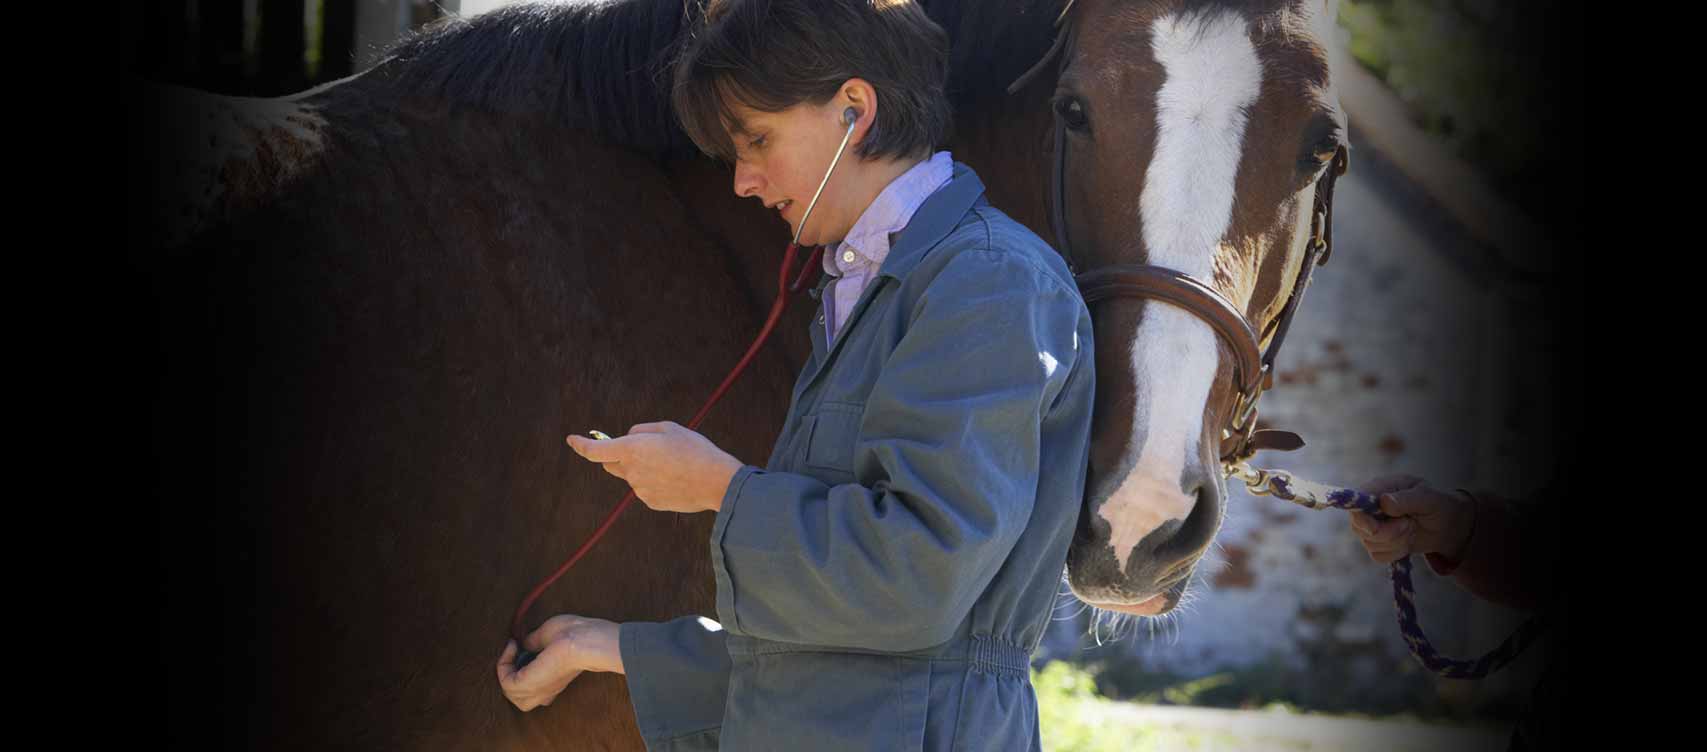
(1212,74)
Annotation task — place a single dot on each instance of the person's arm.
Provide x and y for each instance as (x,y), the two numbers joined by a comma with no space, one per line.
(946,463)
(678,680)
(1508,556)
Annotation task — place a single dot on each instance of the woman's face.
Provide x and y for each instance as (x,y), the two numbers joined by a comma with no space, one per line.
(781,157)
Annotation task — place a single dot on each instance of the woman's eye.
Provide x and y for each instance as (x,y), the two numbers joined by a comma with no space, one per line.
(756,143)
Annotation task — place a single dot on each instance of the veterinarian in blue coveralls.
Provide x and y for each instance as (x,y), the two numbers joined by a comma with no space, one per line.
(884,578)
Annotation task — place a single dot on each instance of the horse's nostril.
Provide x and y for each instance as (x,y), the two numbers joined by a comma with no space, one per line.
(1179,571)
(1193,536)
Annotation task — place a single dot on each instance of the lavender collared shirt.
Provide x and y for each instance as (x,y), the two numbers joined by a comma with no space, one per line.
(854,260)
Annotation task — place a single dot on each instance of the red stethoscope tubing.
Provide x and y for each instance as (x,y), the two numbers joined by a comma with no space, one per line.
(784,292)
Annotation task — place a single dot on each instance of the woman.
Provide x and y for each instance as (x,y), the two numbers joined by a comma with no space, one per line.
(882,581)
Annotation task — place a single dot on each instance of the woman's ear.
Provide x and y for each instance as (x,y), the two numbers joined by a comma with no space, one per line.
(862,99)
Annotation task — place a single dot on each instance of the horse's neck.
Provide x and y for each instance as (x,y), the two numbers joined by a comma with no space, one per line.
(1005,140)
(755,240)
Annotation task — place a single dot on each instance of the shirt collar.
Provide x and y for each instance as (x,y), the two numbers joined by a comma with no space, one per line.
(935,219)
(889,213)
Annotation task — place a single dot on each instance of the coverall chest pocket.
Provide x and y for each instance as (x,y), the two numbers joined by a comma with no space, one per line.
(829,450)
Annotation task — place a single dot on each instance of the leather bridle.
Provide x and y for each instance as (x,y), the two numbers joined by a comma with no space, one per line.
(1253,365)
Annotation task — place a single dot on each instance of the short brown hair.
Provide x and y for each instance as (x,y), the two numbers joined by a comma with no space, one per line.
(770,55)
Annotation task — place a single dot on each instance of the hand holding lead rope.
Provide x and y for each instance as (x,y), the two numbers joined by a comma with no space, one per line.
(1282,485)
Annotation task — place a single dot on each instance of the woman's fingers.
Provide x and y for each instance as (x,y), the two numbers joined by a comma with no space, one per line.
(537,640)
(1377,532)
(535,684)
(1389,484)
(510,677)
(552,630)
(1396,530)
(1363,523)
(1388,554)
(1386,541)
(512,680)
(507,662)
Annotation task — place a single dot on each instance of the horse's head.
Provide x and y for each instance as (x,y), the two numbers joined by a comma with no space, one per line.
(1195,134)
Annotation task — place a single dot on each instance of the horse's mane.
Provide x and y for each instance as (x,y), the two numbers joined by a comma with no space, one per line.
(604,66)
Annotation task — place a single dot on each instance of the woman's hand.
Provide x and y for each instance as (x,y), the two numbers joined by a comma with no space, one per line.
(565,646)
(1424,520)
(671,468)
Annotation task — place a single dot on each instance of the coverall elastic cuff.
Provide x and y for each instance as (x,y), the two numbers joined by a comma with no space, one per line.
(638,661)
(720,528)
(678,681)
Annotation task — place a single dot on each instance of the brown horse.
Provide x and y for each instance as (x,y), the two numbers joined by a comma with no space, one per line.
(383,302)
(1200,151)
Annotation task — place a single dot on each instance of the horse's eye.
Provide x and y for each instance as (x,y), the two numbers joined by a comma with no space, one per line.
(1328,147)
(1318,156)
(1324,141)
(1072,112)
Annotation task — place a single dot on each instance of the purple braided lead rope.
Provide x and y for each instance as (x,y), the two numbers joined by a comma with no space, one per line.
(1280,484)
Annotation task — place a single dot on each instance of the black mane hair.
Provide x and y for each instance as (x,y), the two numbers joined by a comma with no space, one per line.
(605,66)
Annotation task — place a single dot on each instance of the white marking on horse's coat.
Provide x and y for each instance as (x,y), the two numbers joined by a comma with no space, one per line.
(1211,76)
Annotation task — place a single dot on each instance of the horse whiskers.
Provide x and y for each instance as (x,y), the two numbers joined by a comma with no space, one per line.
(1116,620)
(1066,589)
(1071,616)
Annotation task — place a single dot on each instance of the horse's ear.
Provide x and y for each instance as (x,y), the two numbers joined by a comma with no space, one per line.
(1067,6)
(1042,64)
(1060,37)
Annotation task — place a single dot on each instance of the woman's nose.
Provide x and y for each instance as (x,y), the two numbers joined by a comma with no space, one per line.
(748,181)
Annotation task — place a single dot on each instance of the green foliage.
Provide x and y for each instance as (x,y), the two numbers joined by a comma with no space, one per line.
(1075,719)
(1470,84)
(1340,684)
(315,30)
(1072,716)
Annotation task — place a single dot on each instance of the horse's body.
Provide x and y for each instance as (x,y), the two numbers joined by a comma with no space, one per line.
(405,288)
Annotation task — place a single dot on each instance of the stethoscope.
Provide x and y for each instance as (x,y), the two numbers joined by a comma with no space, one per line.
(850,116)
